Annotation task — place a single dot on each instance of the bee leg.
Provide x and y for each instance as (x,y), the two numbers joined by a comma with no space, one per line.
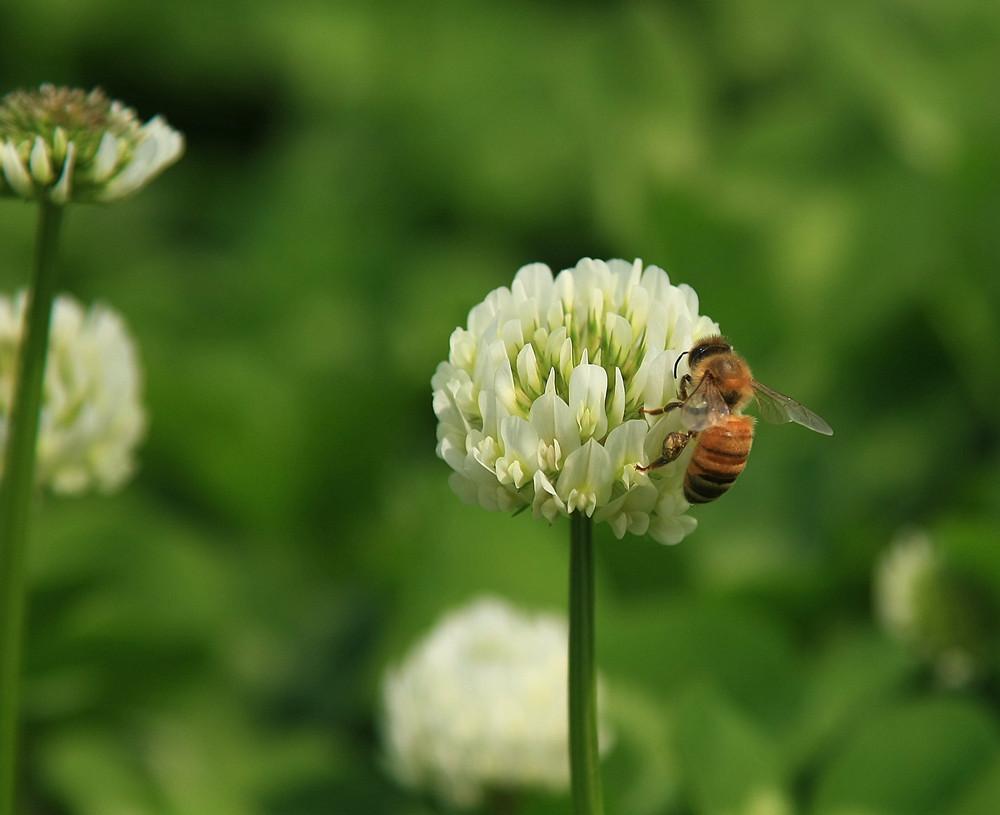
(682,391)
(673,446)
(665,409)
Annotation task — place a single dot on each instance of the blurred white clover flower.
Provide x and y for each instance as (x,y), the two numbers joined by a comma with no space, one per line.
(92,416)
(480,705)
(939,614)
(903,573)
(538,401)
(64,145)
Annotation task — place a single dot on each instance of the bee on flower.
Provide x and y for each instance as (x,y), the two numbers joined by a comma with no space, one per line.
(539,402)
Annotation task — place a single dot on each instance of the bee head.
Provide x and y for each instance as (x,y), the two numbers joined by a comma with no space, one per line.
(710,346)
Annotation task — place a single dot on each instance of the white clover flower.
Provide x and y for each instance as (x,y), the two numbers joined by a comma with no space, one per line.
(65,144)
(91,417)
(538,402)
(480,704)
(902,575)
(939,614)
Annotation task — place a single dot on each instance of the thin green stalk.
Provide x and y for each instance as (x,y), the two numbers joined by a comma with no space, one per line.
(584,760)
(17,488)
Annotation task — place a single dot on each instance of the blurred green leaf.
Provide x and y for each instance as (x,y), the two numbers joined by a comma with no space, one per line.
(913,758)
(667,644)
(641,773)
(853,677)
(983,793)
(730,766)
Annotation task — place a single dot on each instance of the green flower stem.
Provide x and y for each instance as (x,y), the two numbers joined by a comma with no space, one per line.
(17,488)
(584,760)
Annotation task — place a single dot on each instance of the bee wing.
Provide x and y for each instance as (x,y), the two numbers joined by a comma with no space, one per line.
(704,408)
(778,408)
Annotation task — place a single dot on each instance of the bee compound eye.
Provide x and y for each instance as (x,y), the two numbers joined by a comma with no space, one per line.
(698,353)
(706,348)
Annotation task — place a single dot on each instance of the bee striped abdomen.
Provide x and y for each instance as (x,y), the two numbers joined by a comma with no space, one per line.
(718,459)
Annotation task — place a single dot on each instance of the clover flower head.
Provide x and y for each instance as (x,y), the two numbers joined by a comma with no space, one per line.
(92,416)
(903,573)
(943,616)
(63,145)
(538,402)
(480,705)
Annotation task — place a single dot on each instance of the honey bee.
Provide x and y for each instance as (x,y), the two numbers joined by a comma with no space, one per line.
(712,395)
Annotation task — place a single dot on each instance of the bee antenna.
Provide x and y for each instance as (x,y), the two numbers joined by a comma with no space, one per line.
(678,361)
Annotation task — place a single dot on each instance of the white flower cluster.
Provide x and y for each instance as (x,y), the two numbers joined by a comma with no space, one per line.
(538,401)
(921,602)
(70,145)
(903,574)
(92,416)
(480,705)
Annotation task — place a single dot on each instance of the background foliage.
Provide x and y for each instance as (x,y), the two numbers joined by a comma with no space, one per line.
(358,175)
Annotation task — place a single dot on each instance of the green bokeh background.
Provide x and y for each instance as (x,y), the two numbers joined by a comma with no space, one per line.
(358,175)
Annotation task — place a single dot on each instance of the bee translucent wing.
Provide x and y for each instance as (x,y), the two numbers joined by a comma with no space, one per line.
(778,408)
(704,408)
